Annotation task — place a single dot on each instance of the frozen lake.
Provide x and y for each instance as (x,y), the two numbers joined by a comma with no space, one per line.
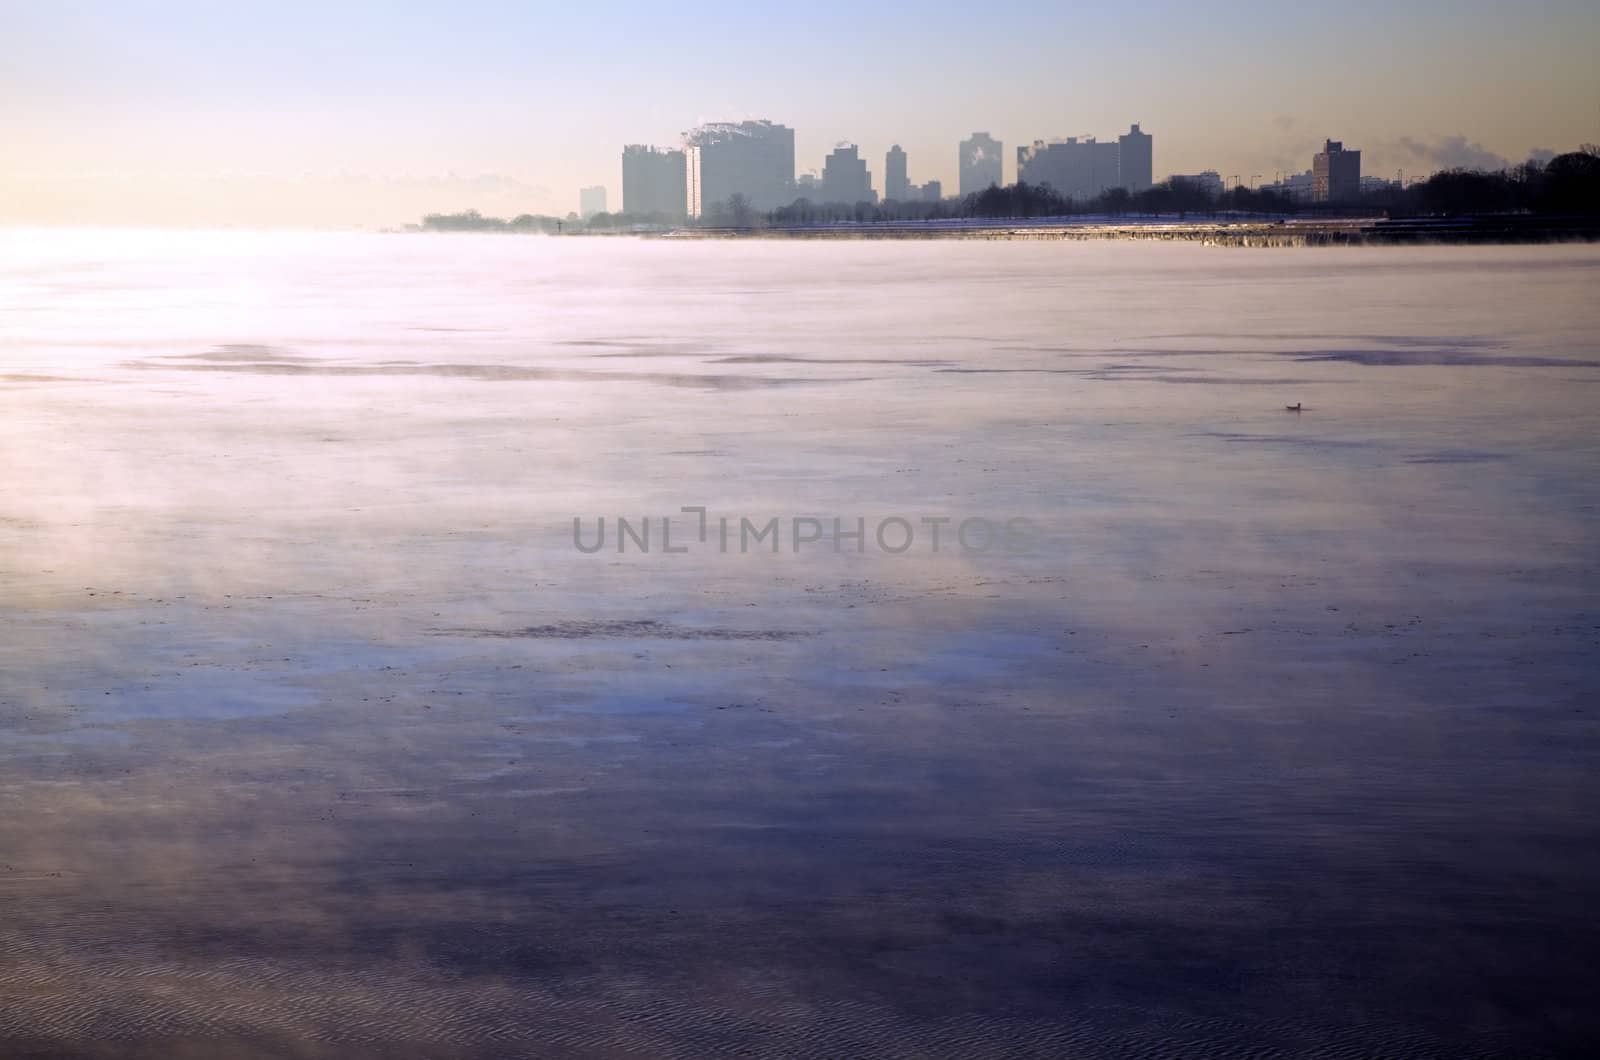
(319,737)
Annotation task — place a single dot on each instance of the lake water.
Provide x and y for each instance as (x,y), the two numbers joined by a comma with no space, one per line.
(1274,734)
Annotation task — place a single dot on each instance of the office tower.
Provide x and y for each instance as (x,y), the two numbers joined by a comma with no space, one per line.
(1136,162)
(979,162)
(845,177)
(933,191)
(754,159)
(591,201)
(895,185)
(1335,174)
(653,181)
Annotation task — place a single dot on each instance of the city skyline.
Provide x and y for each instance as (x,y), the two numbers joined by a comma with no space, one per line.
(176,113)
(755,161)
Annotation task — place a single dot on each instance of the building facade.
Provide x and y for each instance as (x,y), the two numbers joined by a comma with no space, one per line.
(591,201)
(1136,159)
(654,181)
(754,159)
(980,162)
(1087,168)
(1335,174)
(845,177)
(896,186)
(1078,169)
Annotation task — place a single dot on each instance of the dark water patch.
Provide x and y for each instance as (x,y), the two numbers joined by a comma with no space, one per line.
(630,629)
(501,373)
(1251,380)
(1216,381)
(1432,342)
(1135,373)
(62,742)
(779,358)
(1457,456)
(1286,439)
(28,377)
(1011,371)
(1435,356)
(1120,351)
(1463,341)
(246,353)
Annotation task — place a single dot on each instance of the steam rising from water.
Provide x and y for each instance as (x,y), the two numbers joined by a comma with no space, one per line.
(319,733)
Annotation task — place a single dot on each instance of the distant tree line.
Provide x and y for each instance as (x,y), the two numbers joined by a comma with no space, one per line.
(1567,184)
(473,221)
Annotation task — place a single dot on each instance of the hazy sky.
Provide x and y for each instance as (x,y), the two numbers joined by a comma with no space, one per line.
(345,113)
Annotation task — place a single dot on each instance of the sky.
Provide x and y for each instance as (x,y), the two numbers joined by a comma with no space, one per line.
(350,114)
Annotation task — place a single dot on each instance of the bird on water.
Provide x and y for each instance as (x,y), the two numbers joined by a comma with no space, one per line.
(1293,408)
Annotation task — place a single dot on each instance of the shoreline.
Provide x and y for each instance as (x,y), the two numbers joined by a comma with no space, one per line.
(1256,233)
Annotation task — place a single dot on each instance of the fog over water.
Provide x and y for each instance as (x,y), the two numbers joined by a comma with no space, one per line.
(319,737)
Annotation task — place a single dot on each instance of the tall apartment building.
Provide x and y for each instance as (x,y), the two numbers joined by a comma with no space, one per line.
(1084,169)
(754,159)
(845,177)
(653,181)
(1137,159)
(1335,174)
(1079,169)
(895,184)
(979,162)
(591,201)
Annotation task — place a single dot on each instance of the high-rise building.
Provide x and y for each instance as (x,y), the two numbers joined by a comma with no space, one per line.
(1087,168)
(1078,169)
(653,181)
(979,162)
(1335,174)
(845,177)
(591,201)
(754,159)
(1136,162)
(895,185)
(933,191)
